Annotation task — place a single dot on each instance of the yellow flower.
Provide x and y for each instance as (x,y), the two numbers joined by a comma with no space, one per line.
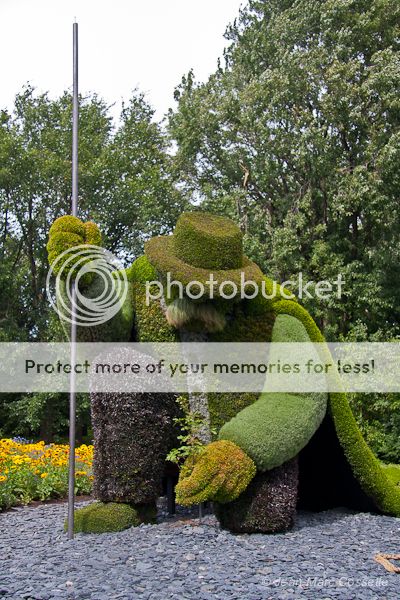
(2,478)
(44,475)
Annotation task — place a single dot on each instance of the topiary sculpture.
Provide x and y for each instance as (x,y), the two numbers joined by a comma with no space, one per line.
(273,451)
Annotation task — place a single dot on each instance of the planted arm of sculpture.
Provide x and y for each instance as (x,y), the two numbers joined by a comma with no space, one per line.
(220,472)
(68,237)
(269,432)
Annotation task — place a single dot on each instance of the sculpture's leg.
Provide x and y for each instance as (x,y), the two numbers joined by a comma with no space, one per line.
(267,506)
(132,435)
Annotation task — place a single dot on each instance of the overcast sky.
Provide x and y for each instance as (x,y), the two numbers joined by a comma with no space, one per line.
(123,44)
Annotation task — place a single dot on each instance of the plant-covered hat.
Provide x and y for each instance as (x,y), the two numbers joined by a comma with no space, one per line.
(203,244)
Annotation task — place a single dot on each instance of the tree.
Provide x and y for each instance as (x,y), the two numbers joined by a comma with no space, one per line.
(125,185)
(134,178)
(297,137)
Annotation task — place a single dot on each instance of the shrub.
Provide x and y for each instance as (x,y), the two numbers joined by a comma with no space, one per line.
(160,252)
(378,417)
(150,323)
(244,327)
(260,305)
(191,425)
(141,271)
(116,329)
(103,518)
(393,472)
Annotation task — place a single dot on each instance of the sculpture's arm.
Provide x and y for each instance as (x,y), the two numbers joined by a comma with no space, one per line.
(66,234)
(278,425)
(264,435)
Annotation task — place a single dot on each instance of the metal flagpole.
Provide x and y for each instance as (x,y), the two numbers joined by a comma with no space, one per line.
(72,392)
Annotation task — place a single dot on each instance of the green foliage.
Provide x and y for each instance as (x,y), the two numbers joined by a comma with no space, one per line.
(135,185)
(141,271)
(244,326)
(208,241)
(101,517)
(65,233)
(125,183)
(296,137)
(263,303)
(365,466)
(46,413)
(278,425)
(220,472)
(160,252)
(223,407)
(377,414)
(190,426)
(241,327)
(378,417)
(150,324)
(35,188)
(288,307)
(393,472)
(116,329)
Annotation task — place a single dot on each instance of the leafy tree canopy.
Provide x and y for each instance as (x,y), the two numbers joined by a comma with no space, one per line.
(297,137)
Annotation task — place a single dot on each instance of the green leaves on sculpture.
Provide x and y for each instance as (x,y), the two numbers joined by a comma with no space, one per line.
(221,472)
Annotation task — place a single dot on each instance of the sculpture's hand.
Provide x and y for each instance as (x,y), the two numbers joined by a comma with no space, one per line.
(220,472)
(66,233)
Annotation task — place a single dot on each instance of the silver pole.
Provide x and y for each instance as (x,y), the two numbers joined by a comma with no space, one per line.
(75,115)
(72,392)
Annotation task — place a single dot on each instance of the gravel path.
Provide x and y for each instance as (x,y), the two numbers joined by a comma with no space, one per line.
(326,556)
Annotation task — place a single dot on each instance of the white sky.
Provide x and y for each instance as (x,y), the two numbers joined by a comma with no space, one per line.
(123,44)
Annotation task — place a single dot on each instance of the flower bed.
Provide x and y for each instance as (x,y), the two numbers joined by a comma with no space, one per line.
(36,471)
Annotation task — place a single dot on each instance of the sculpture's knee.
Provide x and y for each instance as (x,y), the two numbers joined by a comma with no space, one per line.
(268,505)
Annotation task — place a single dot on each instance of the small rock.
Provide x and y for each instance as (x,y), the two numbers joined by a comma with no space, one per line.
(190,557)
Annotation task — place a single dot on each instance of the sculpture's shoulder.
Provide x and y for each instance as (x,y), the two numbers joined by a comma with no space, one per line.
(278,300)
(150,323)
(141,271)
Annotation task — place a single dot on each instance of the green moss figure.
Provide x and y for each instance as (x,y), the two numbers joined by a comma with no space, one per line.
(278,425)
(112,516)
(272,452)
(208,241)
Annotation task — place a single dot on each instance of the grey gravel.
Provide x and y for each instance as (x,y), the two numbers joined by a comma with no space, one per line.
(326,556)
